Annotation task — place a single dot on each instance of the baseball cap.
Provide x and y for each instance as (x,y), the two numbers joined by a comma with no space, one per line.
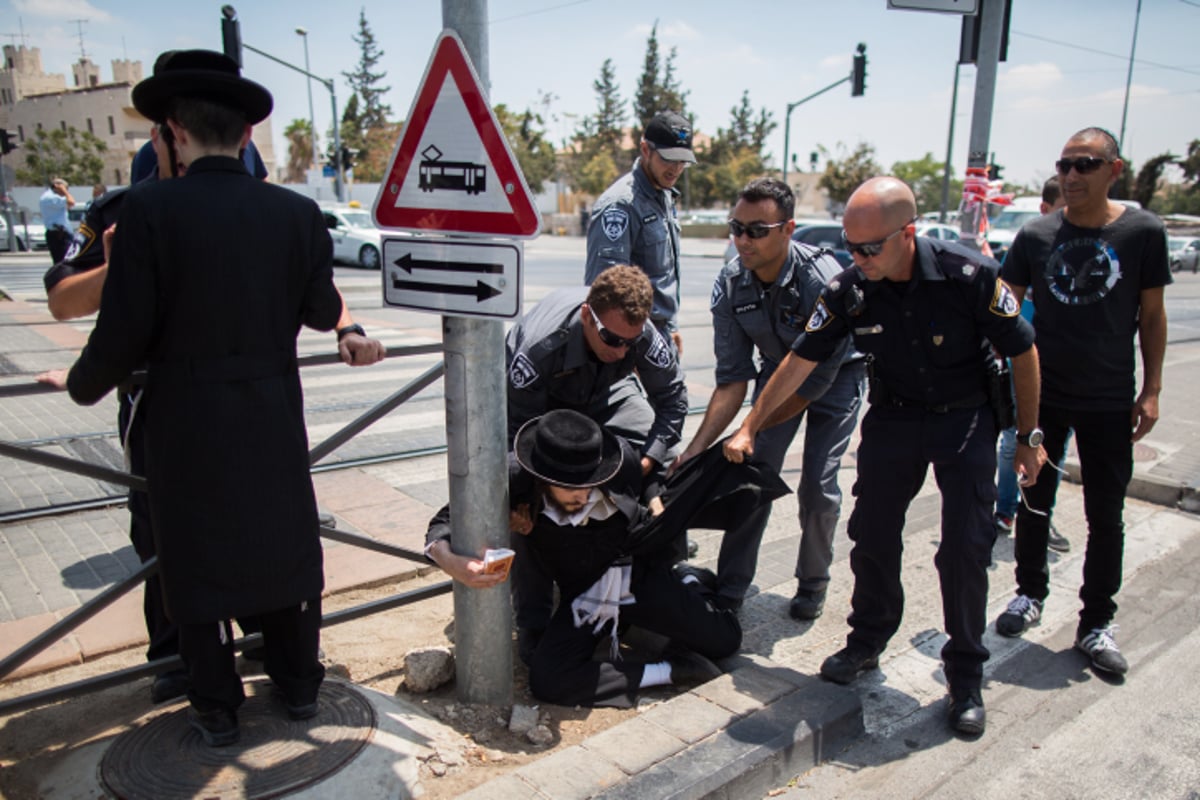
(671,136)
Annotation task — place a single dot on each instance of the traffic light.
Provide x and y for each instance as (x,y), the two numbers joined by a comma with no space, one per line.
(994,171)
(348,155)
(7,145)
(858,76)
(231,34)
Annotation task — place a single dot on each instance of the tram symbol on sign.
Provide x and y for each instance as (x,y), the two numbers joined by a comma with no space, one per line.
(462,176)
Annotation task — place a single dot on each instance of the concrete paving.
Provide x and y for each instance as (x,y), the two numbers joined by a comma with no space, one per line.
(767,722)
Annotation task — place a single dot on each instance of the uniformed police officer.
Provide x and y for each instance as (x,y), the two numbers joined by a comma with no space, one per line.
(925,311)
(761,299)
(634,221)
(578,349)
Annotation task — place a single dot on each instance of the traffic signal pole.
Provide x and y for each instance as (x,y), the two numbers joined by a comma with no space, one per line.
(991,27)
(857,79)
(477,452)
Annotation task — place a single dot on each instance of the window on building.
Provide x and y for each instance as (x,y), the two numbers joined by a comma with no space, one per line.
(90,128)
(39,126)
(112,127)
(21,133)
(117,176)
(63,125)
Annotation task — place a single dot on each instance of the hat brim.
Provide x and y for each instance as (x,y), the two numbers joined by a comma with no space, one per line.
(151,96)
(677,154)
(607,469)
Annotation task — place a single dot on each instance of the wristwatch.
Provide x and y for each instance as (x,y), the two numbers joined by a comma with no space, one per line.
(355,328)
(1032,439)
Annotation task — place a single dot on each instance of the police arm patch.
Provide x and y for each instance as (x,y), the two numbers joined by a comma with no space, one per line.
(659,353)
(1004,302)
(820,317)
(522,372)
(614,221)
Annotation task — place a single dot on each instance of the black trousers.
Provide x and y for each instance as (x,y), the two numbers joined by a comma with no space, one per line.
(898,445)
(291,637)
(563,671)
(1106,461)
(58,240)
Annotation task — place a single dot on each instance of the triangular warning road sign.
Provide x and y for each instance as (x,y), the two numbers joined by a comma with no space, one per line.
(452,170)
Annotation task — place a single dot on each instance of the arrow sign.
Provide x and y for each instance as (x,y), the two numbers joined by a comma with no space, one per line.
(407,263)
(481,290)
(440,276)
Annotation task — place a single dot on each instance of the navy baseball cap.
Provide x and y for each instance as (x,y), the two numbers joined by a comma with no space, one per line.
(671,136)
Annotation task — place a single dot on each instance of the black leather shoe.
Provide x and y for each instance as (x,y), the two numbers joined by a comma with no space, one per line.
(168,686)
(848,663)
(693,547)
(807,604)
(967,714)
(303,711)
(219,727)
(689,668)
(687,573)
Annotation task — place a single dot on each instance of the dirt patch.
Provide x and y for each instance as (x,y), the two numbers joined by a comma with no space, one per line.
(369,651)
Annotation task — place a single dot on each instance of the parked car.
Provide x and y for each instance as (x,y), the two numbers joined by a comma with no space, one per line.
(356,240)
(818,234)
(1184,252)
(37,234)
(936,230)
(1004,226)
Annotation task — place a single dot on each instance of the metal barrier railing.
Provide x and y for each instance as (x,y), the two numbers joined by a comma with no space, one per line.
(110,595)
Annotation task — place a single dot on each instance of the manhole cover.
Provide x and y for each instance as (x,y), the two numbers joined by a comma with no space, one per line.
(167,759)
(1144,452)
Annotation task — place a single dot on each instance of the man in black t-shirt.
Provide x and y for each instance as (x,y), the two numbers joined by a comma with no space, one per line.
(1097,271)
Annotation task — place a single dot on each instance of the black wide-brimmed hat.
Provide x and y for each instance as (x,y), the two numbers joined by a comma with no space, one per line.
(568,449)
(205,74)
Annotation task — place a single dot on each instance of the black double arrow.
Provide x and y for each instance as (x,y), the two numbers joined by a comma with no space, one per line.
(481,290)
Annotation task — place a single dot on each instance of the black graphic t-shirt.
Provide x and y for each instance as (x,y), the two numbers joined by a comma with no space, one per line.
(1086,286)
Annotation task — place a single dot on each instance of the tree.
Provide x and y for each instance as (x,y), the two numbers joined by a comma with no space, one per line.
(525,133)
(846,173)
(72,155)
(1146,184)
(733,158)
(1190,165)
(924,175)
(599,139)
(300,150)
(365,124)
(654,94)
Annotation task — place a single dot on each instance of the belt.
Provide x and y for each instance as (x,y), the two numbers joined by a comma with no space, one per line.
(973,401)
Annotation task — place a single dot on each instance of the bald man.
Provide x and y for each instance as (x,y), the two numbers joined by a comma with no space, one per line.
(924,311)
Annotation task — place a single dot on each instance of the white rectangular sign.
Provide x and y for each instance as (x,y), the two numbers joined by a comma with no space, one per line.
(459,277)
(967,7)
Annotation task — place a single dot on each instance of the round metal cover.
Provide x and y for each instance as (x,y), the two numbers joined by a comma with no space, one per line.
(166,758)
(1143,452)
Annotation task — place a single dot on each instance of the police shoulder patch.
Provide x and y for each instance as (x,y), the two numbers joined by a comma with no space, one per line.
(614,221)
(80,242)
(820,316)
(659,353)
(1004,302)
(522,372)
(718,293)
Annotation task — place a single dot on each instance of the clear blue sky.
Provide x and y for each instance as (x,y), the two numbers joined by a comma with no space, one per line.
(1066,68)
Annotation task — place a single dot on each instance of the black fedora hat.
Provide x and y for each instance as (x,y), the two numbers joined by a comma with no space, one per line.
(205,74)
(568,449)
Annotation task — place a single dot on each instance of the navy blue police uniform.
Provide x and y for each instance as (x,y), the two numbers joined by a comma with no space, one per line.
(929,340)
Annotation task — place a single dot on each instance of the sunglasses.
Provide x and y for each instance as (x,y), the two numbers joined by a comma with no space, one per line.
(610,338)
(1084,165)
(755,230)
(869,249)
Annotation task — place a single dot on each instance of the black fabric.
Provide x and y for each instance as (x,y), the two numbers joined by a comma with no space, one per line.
(86,251)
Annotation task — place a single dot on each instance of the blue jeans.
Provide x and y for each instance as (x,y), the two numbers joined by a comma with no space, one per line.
(1008,495)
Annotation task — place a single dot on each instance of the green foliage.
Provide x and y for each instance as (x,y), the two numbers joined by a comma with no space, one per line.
(365,125)
(924,175)
(655,94)
(72,155)
(599,138)
(364,81)
(300,150)
(526,135)
(1146,184)
(734,157)
(848,170)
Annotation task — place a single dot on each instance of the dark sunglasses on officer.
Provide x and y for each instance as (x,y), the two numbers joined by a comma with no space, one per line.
(755,230)
(870,249)
(608,337)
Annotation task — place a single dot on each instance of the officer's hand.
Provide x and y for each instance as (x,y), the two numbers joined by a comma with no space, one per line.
(106,239)
(739,446)
(1027,463)
(1144,415)
(656,506)
(677,338)
(55,377)
(519,520)
(684,457)
(360,351)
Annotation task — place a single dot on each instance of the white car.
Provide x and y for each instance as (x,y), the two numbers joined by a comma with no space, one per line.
(936,230)
(1004,226)
(1184,252)
(356,240)
(37,234)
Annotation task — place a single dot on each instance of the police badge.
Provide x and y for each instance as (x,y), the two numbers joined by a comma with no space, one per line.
(1004,302)
(614,220)
(522,373)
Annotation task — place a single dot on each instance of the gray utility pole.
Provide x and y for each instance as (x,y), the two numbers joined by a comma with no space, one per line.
(312,118)
(477,452)
(1129,77)
(991,26)
(949,146)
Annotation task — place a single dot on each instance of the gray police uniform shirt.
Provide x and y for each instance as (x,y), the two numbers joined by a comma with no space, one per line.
(635,223)
(747,314)
(931,336)
(550,366)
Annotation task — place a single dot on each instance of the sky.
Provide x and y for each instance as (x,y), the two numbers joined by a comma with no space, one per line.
(1067,64)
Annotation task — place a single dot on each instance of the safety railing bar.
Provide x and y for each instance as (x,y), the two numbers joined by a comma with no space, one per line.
(73,465)
(121,676)
(24,514)
(367,543)
(377,412)
(76,618)
(407,350)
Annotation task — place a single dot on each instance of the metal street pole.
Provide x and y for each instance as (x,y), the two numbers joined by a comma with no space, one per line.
(477,452)
(1129,76)
(991,26)
(312,118)
(949,147)
(787,125)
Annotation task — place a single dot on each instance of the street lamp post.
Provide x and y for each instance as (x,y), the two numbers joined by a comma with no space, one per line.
(312,119)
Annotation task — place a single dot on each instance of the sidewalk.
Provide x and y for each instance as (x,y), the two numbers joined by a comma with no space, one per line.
(738,736)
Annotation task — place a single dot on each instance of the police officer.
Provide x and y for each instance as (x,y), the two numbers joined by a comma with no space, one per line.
(761,299)
(578,349)
(634,221)
(925,311)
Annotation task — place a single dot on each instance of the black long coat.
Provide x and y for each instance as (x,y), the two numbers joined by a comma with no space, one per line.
(211,277)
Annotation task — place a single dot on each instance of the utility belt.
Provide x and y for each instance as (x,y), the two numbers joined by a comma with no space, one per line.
(879,394)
